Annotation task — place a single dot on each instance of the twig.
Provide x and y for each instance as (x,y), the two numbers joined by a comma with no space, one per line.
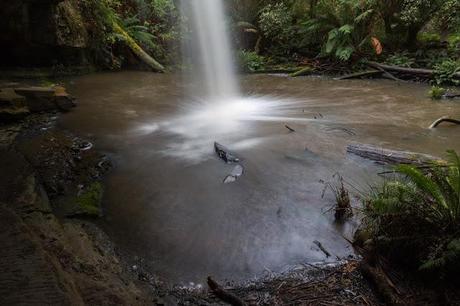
(320,246)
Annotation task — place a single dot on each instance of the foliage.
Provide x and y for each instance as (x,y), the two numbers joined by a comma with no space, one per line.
(100,16)
(346,25)
(416,215)
(162,21)
(140,33)
(436,92)
(401,59)
(342,207)
(445,72)
(275,23)
(250,61)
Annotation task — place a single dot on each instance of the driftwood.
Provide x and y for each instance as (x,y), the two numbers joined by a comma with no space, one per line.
(414,71)
(137,50)
(360,74)
(386,156)
(224,295)
(444,119)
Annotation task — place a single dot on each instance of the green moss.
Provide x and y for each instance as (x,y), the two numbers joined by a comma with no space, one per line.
(436,92)
(89,202)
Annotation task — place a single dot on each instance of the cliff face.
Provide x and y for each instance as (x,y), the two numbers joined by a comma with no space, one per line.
(41,33)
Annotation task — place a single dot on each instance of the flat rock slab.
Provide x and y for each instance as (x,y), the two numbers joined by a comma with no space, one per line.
(46,92)
(9,98)
(39,99)
(12,114)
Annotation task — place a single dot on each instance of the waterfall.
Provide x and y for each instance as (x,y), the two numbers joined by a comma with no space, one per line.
(212,67)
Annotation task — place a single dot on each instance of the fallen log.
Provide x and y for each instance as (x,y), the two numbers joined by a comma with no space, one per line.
(416,71)
(444,119)
(393,157)
(137,50)
(224,295)
(381,282)
(360,74)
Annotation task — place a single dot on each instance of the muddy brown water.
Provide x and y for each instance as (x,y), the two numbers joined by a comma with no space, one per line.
(165,200)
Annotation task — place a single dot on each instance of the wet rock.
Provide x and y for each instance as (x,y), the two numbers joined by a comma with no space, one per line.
(12,114)
(234,175)
(38,99)
(63,100)
(12,106)
(225,154)
(9,98)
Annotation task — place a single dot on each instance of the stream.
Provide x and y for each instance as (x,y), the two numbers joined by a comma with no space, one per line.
(165,199)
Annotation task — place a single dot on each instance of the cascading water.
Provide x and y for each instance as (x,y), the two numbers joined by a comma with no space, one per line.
(210,40)
(214,108)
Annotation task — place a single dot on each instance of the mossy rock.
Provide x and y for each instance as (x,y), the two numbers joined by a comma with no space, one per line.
(88,203)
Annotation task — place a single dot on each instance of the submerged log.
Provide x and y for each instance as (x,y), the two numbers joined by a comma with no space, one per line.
(224,295)
(393,157)
(444,119)
(137,50)
(360,74)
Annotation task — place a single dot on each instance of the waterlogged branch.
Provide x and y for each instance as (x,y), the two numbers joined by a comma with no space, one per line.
(413,71)
(137,50)
(444,119)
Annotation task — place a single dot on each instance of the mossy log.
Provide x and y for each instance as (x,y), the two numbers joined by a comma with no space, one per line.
(303,71)
(393,157)
(137,50)
(360,74)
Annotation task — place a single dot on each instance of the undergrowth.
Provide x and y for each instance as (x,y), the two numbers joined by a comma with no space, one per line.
(414,217)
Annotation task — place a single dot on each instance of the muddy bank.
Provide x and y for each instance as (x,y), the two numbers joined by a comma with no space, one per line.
(49,256)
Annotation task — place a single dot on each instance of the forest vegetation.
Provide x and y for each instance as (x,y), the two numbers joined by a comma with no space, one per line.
(323,33)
